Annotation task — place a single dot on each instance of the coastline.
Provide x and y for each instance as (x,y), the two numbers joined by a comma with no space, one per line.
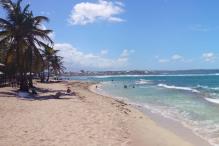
(169,124)
(85,118)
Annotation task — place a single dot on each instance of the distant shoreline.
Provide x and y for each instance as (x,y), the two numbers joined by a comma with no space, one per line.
(142,72)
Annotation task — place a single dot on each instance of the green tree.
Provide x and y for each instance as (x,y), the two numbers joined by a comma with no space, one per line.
(53,62)
(57,65)
(24,35)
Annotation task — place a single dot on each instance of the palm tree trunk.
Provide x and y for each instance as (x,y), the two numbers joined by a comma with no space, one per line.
(42,77)
(30,80)
(24,83)
(21,76)
(30,76)
(48,74)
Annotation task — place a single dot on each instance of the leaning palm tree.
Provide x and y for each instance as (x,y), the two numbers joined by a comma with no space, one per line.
(22,31)
(49,54)
(35,43)
(57,65)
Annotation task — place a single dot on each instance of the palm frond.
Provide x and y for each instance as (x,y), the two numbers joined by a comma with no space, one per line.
(7,5)
(25,10)
(4,34)
(43,34)
(40,19)
(4,23)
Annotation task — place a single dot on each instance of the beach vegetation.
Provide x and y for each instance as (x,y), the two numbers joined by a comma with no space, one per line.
(23,43)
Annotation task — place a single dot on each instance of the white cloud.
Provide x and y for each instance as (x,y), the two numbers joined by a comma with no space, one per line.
(104,52)
(119,3)
(173,58)
(208,57)
(199,28)
(45,13)
(163,60)
(73,56)
(125,53)
(176,57)
(132,51)
(157,57)
(87,12)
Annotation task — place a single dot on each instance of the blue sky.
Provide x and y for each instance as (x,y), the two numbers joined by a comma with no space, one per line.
(128,34)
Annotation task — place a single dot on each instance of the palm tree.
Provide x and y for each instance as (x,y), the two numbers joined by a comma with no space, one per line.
(57,65)
(52,61)
(35,44)
(22,31)
(3,52)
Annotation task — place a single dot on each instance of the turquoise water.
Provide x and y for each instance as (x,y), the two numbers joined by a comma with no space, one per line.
(192,100)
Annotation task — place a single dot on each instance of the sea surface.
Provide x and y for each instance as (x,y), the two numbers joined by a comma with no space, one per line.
(191,99)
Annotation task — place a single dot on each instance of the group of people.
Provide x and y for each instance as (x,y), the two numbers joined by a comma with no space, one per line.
(125,86)
(68,92)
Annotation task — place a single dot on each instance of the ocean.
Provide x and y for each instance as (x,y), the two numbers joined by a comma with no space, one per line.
(191,99)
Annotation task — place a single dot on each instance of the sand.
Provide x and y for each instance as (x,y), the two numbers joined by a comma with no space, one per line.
(83,119)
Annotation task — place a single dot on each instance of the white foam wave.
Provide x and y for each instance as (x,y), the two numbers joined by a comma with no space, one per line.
(152,75)
(212,100)
(148,75)
(200,128)
(178,88)
(208,88)
(216,88)
(205,129)
(142,81)
(102,77)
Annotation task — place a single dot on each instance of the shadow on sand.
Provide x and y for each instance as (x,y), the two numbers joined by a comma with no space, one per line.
(47,97)
(59,94)
(8,94)
(43,90)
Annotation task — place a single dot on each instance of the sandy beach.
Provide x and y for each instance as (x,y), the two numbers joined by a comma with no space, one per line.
(83,119)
